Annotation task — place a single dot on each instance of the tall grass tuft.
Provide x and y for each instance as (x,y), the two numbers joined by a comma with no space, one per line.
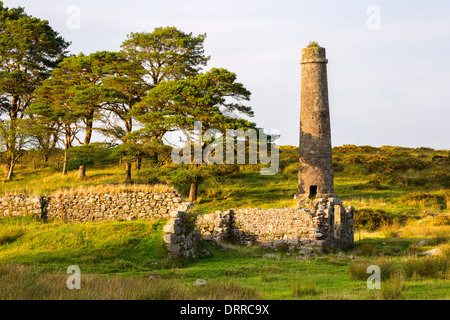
(366,249)
(358,269)
(439,237)
(264,275)
(429,267)
(393,288)
(391,231)
(302,288)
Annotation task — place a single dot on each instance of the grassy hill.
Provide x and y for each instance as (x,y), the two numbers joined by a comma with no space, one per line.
(394,191)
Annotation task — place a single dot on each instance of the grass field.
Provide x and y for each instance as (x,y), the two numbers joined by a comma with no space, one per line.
(117,258)
(127,260)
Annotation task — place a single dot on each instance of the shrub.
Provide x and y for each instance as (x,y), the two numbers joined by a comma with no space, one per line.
(373,184)
(190,220)
(350,148)
(376,163)
(371,219)
(313,44)
(354,159)
(440,221)
(338,167)
(152,176)
(440,160)
(442,177)
(424,199)
(291,170)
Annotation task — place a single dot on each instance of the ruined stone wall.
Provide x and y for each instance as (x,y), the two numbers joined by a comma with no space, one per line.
(92,207)
(324,220)
(180,239)
(19,205)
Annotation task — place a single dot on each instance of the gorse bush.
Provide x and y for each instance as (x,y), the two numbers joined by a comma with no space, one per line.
(424,199)
(440,221)
(371,219)
(291,170)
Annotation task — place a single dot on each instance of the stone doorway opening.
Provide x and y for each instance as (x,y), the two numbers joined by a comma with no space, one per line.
(312,191)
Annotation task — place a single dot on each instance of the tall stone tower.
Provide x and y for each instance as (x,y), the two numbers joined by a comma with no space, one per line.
(315,174)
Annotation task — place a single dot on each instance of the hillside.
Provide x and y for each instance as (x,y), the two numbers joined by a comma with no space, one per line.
(402,202)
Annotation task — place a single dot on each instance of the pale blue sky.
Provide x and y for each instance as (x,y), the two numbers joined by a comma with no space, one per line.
(389,86)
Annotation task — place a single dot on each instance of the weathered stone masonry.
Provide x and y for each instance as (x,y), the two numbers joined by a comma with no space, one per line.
(19,205)
(315,174)
(322,221)
(181,242)
(92,207)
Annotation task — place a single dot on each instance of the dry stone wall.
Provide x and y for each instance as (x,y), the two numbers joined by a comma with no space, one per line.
(318,223)
(19,205)
(122,206)
(92,207)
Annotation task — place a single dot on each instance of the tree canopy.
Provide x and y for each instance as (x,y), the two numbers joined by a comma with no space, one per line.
(29,50)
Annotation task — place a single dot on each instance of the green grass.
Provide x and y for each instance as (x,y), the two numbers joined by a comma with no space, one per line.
(116,257)
(103,247)
(18,282)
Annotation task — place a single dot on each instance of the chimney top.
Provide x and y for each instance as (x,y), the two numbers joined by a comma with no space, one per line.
(313,54)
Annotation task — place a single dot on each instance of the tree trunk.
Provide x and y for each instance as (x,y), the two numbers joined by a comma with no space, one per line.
(87,141)
(7,167)
(64,170)
(193,192)
(82,172)
(138,163)
(10,172)
(128,172)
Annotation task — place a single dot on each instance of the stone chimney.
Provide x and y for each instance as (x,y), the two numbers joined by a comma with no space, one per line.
(315,174)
